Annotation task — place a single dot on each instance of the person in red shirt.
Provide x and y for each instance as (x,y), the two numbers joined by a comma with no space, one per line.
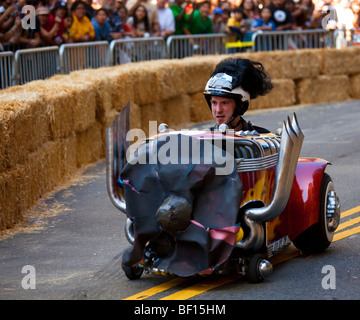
(58,13)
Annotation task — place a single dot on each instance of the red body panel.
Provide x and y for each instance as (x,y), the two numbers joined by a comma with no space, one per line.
(302,209)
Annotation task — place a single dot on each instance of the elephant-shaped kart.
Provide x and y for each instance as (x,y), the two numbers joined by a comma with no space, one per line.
(204,202)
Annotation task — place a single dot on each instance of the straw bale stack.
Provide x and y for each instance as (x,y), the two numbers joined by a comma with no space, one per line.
(323,89)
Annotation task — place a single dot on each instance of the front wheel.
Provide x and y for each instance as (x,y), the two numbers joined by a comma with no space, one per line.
(319,236)
(254,274)
(133,273)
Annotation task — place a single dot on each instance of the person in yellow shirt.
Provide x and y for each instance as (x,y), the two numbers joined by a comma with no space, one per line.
(81,29)
(236,26)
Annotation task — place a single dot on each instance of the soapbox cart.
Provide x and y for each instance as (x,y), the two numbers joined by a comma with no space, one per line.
(204,202)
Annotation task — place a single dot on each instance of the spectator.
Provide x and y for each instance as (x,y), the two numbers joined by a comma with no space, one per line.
(68,35)
(101,26)
(81,28)
(31,38)
(166,19)
(151,9)
(123,12)
(90,11)
(236,26)
(220,19)
(199,22)
(48,30)
(15,29)
(225,5)
(302,13)
(178,10)
(139,22)
(249,10)
(114,20)
(8,15)
(48,4)
(281,15)
(318,15)
(59,11)
(355,7)
(265,22)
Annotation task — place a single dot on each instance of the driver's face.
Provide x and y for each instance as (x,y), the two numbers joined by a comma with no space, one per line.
(222,109)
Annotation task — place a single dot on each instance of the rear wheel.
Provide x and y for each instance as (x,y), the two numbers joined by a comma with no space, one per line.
(319,236)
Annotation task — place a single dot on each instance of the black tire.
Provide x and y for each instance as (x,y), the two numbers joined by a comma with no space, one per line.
(133,273)
(317,238)
(254,275)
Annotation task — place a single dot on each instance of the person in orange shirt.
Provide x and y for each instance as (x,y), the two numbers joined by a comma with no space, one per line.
(82,29)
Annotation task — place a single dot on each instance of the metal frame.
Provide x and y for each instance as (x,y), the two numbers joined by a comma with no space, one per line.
(182,46)
(79,56)
(292,39)
(7,62)
(138,49)
(35,64)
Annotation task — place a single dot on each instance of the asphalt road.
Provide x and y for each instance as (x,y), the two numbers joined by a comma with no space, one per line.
(74,249)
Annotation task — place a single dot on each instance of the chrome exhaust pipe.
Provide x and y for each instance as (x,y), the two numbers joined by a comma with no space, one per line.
(291,143)
(116,146)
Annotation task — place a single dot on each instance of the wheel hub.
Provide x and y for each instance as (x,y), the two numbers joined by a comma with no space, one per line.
(332,211)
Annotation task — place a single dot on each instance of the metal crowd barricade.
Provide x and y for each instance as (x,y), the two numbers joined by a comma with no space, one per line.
(36,64)
(182,46)
(136,49)
(292,39)
(7,72)
(79,56)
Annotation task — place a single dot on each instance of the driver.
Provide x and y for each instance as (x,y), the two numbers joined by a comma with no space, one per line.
(231,86)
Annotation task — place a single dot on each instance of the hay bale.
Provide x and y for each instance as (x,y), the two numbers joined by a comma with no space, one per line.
(90,145)
(283,94)
(323,89)
(24,126)
(115,87)
(177,111)
(199,109)
(71,104)
(344,61)
(151,112)
(23,185)
(355,86)
(197,72)
(170,78)
(289,64)
(142,79)
(9,197)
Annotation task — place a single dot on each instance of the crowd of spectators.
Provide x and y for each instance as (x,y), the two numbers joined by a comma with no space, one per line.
(60,22)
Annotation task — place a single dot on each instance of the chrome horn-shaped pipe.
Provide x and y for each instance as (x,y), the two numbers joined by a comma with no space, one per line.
(291,143)
(116,146)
